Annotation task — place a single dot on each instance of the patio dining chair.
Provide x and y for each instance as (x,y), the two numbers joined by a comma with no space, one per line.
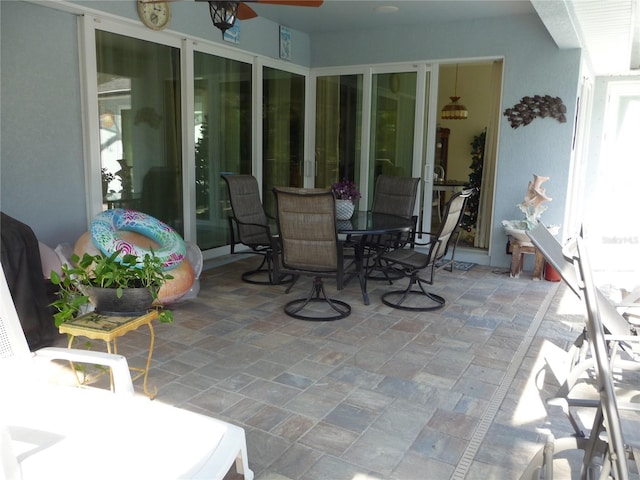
(249,225)
(309,247)
(392,195)
(395,195)
(410,262)
(55,430)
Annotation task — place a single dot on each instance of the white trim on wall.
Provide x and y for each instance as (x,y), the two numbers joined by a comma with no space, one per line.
(89,99)
(425,116)
(188,148)
(89,91)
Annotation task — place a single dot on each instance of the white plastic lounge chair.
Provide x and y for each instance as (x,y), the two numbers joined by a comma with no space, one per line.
(67,432)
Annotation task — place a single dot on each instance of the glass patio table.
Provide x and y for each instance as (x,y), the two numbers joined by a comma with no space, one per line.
(366,230)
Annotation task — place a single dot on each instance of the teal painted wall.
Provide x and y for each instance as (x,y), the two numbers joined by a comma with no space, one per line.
(41,158)
(258,35)
(532,65)
(41,147)
(41,151)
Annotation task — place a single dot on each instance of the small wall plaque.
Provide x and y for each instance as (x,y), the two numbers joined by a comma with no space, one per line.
(232,35)
(285,43)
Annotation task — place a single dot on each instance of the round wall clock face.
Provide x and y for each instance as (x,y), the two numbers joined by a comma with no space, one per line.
(155,15)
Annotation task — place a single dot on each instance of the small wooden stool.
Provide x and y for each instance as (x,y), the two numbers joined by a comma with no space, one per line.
(518,249)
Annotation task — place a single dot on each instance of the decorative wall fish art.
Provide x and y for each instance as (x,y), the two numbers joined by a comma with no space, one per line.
(529,108)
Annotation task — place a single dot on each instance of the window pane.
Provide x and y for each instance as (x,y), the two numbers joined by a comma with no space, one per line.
(338,128)
(223,140)
(392,125)
(283,132)
(139,104)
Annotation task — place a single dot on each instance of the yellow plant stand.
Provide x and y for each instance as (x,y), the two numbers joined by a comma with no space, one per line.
(109,328)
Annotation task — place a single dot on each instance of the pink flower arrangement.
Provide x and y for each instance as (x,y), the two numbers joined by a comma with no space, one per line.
(346,190)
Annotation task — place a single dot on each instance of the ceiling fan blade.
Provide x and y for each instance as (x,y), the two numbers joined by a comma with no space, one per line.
(245,12)
(296,3)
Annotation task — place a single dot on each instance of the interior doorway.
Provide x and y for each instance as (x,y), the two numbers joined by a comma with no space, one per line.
(466,152)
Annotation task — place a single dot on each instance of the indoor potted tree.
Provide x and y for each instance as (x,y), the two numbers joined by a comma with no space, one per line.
(115,284)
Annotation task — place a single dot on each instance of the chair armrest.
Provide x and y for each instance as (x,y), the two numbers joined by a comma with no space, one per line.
(118,364)
(234,227)
(251,224)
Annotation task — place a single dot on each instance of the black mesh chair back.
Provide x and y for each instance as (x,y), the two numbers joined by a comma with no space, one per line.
(249,225)
(395,195)
(309,247)
(392,196)
(248,212)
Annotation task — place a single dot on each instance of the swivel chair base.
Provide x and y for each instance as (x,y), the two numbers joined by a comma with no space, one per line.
(294,307)
(435,301)
(265,275)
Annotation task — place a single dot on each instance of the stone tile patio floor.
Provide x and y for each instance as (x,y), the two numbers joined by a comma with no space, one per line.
(383,394)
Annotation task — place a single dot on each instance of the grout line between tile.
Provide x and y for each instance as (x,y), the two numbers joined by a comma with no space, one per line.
(485,422)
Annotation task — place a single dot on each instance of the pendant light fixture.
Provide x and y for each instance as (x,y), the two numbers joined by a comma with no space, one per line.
(454,110)
(223,14)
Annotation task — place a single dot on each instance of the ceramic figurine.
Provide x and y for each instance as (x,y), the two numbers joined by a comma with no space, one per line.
(532,207)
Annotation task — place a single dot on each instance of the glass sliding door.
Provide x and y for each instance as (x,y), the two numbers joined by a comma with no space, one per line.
(283,105)
(393,126)
(222,109)
(338,128)
(140,125)
(367,122)
(612,235)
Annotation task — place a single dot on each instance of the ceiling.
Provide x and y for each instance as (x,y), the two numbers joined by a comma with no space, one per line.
(609,30)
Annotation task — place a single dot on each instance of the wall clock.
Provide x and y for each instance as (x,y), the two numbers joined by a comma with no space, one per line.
(155,15)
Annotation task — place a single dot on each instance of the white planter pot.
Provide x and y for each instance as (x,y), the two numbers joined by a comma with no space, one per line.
(344,209)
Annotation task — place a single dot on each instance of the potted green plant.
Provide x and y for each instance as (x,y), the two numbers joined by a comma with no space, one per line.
(109,282)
